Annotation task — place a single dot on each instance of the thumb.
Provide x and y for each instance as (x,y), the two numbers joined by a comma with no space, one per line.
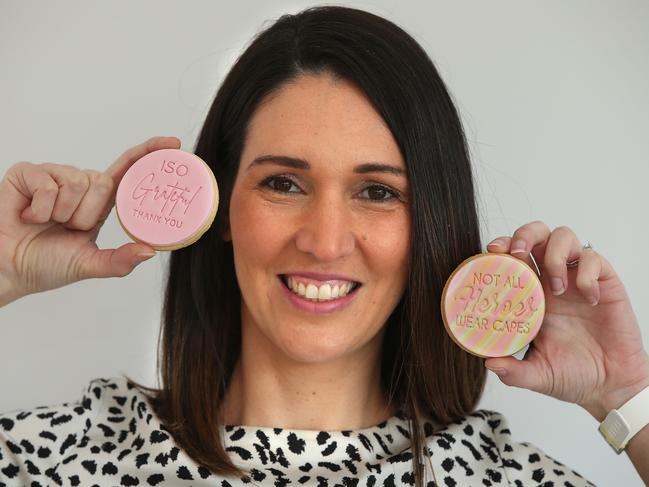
(117,262)
(523,373)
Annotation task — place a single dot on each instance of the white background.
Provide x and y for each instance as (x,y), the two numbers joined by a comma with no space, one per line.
(553,96)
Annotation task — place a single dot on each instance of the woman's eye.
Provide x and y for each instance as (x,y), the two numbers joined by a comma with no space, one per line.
(379,193)
(279,184)
(375,193)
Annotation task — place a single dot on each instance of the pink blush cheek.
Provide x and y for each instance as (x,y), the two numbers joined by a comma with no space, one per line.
(256,240)
(387,244)
(258,229)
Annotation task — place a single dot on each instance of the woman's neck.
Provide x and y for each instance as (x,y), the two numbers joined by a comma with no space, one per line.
(269,389)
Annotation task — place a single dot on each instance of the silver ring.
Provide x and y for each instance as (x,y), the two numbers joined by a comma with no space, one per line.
(574,263)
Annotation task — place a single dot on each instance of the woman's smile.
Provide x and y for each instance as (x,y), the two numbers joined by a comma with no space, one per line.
(314,296)
(319,291)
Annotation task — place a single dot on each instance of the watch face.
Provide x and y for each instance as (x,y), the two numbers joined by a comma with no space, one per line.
(608,440)
(615,430)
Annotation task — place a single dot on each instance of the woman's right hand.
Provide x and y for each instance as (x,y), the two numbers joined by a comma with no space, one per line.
(49,221)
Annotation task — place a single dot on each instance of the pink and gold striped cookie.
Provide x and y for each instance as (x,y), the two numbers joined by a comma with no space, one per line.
(493,304)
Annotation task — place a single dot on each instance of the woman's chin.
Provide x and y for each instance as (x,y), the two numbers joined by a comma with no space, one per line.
(311,347)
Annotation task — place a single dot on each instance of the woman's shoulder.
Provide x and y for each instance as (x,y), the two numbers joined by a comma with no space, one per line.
(98,395)
(34,442)
(484,437)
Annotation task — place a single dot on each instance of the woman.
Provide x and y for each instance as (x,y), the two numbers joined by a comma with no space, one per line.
(342,165)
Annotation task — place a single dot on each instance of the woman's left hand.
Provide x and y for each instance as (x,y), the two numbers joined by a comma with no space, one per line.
(591,355)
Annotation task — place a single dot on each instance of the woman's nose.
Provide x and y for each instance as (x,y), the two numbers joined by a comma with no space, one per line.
(326,229)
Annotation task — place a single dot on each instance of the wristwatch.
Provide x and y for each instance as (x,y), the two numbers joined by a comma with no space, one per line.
(620,425)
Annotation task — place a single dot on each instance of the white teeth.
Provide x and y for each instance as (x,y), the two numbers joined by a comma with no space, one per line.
(311,291)
(323,293)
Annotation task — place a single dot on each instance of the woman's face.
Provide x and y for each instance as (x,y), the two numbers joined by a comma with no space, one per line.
(327,211)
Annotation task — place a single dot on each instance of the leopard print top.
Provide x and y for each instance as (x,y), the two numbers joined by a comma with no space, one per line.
(111,437)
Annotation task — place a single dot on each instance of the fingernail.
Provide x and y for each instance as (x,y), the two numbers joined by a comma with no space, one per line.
(496,241)
(500,372)
(517,247)
(592,300)
(556,283)
(139,258)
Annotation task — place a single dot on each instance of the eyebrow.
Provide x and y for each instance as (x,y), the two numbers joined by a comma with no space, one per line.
(297,163)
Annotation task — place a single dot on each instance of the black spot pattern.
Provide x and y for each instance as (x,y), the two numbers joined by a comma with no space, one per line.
(112,437)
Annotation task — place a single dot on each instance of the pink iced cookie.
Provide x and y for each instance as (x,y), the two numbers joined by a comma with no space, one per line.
(493,304)
(167,199)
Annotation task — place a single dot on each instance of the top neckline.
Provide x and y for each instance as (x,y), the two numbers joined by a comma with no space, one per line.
(399,419)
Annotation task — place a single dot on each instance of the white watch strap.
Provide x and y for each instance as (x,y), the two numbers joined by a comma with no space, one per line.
(620,425)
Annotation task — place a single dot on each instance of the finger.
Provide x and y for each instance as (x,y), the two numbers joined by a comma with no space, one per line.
(503,245)
(499,244)
(527,243)
(117,262)
(607,274)
(562,247)
(36,184)
(588,274)
(118,168)
(73,185)
(91,208)
(524,373)
(530,239)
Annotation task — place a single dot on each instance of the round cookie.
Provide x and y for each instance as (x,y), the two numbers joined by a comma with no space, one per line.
(167,199)
(493,305)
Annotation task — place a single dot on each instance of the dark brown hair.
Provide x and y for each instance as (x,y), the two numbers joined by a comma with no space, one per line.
(422,368)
